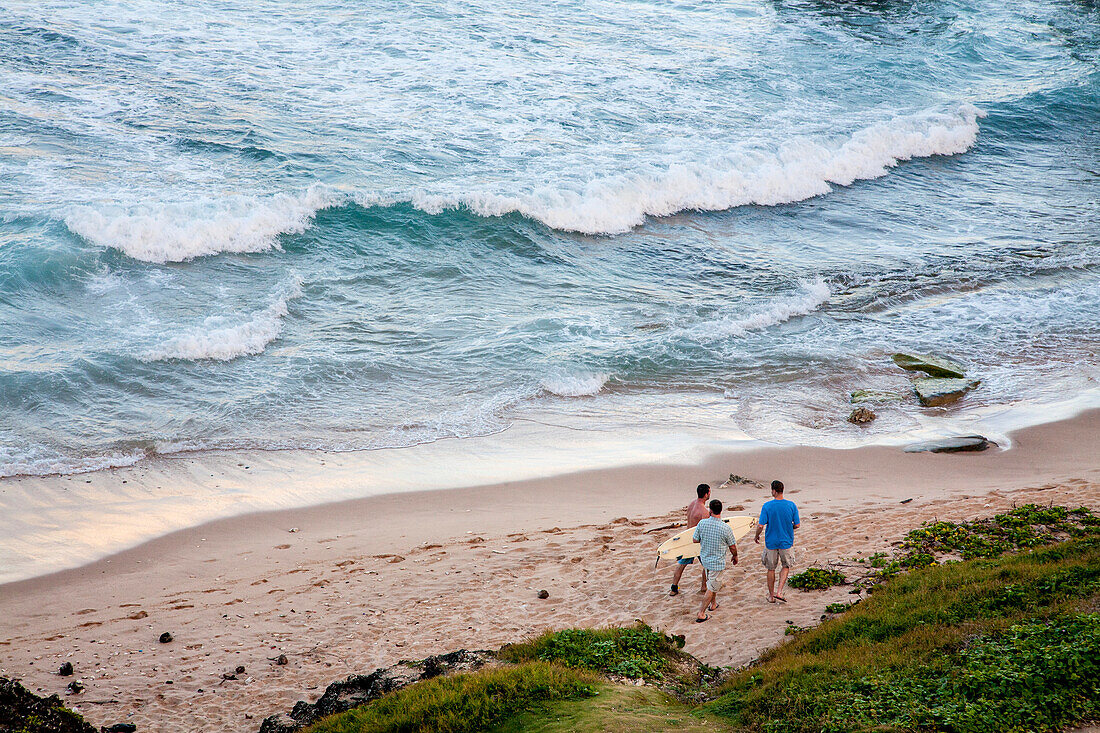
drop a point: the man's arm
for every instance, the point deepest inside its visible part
(732, 541)
(759, 529)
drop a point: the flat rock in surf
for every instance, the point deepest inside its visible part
(930, 364)
(957, 444)
(877, 396)
(933, 392)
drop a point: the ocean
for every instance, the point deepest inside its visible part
(343, 226)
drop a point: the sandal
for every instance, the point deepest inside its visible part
(701, 620)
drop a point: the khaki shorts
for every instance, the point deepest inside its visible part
(715, 581)
(772, 558)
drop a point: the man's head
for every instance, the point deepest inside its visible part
(777, 489)
(716, 507)
(703, 490)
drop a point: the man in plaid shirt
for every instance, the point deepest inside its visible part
(714, 537)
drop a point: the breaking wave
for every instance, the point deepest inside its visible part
(799, 169)
(219, 341)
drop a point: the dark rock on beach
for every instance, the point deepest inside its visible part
(165, 638)
(75, 687)
(22, 710)
(957, 444)
(119, 728)
(359, 690)
(861, 416)
(544, 594)
(934, 366)
(933, 392)
(66, 669)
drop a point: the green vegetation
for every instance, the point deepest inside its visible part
(816, 579)
(616, 709)
(999, 644)
(637, 652)
(473, 701)
(837, 607)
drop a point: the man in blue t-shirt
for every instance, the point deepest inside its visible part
(778, 521)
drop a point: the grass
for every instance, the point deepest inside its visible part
(462, 703)
(1002, 644)
(616, 709)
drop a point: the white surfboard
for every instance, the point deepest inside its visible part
(681, 545)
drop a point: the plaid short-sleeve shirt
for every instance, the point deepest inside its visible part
(715, 538)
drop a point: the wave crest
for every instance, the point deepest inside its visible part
(797, 170)
(179, 232)
(220, 342)
(814, 294)
(575, 385)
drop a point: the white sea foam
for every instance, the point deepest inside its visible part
(798, 170)
(41, 465)
(814, 294)
(575, 385)
(220, 341)
(178, 232)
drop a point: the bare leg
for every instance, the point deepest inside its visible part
(771, 584)
(678, 574)
(703, 584)
(782, 580)
(707, 599)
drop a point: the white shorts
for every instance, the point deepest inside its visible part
(714, 580)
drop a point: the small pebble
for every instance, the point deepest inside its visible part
(165, 638)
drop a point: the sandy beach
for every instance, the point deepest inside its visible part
(345, 588)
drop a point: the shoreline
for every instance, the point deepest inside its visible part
(58, 522)
(350, 586)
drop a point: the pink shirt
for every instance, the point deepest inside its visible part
(697, 511)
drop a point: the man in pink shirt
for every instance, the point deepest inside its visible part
(696, 511)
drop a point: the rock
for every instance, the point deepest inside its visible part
(75, 687)
(358, 690)
(957, 444)
(165, 638)
(861, 416)
(239, 669)
(66, 669)
(281, 660)
(877, 396)
(544, 594)
(228, 676)
(936, 392)
(935, 366)
(119, 728)
(22, 710)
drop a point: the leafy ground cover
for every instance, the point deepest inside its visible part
(816, 579)
(635, 652)
(474, 701)
(1002, 644)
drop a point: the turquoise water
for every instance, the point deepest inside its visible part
(333, 225)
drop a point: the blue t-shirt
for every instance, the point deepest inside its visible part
(779, 517)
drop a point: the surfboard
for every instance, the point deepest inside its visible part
(681, 545)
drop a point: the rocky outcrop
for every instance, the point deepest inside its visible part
(877, 396)
(933, 392)
(956, 444)
(360, 689)
(861, 416)
(22, 710)
(933, 366)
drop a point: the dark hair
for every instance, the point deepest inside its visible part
(702, 490)
(777, 487)
(715, 507)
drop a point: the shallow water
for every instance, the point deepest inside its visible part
(291, 225)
